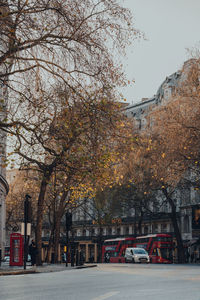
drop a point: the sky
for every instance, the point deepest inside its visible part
(171, 27)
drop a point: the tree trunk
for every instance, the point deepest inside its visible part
(48, 257)
(180, 248)
(40, 209)
(57, 237)
(140, 223)
(58, 216)
(135, 224)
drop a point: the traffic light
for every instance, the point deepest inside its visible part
(68, 220)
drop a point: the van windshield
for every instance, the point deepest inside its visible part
(139, 251)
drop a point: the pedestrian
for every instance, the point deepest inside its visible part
(187, 256)
(81, 258)
(33, 252)
(107, 257)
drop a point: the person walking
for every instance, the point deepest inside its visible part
(33, 253)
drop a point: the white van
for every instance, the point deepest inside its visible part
(138, 255)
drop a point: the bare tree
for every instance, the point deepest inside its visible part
(72, 44)
(75, 42)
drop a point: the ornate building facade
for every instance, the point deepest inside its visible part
(188, 199)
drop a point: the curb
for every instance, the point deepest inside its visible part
(84, 267)
(21, 272)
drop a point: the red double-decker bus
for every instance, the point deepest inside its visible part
(113, 250)
(159, 247)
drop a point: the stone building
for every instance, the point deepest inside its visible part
(188, 199)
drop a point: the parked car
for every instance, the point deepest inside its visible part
(6, 259)
(136, 255)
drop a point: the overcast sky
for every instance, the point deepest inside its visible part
(170, 27)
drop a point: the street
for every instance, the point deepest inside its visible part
(107, 281)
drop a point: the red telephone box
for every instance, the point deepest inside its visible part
(16, 249)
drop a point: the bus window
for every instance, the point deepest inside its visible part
(164, 239)
(166, 253)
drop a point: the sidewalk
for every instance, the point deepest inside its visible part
(5, 269)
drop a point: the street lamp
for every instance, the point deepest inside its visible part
(68, 217)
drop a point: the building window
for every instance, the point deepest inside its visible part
(109, 231)
(139, 124)
(186, 227)
(127, 230)
(155, 228)
(145, 229)
(163, 227)
(118, 230)
(155, 207)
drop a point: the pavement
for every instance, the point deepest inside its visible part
(5, 269)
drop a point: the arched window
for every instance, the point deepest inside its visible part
(186, 226)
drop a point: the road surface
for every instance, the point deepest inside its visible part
(107, 281)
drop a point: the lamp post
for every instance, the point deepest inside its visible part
(68, 217)
(27, 217)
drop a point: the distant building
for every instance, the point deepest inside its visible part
(188, 200)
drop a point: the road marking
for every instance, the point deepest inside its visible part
(106, 296)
